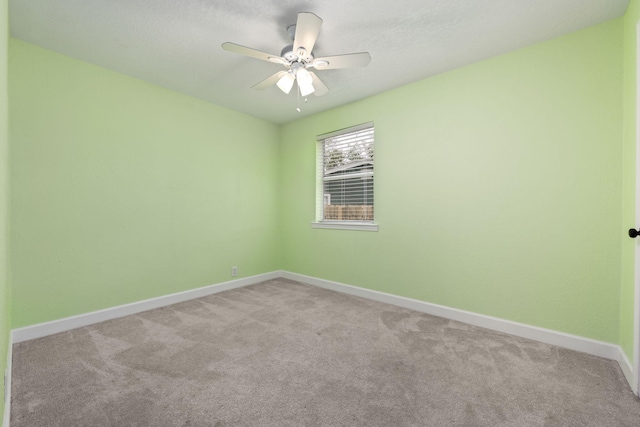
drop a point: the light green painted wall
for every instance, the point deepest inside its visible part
(5, 296)
(123, 191)
(498, 188)
(627, 289)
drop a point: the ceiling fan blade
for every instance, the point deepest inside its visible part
(349, 60)
(247, 51)
(320, 88)
(307, 30)
(269, 81)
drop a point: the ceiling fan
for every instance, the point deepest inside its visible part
(298, 59)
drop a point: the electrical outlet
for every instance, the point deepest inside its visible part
(234, 271)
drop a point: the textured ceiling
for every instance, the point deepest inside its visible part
(176, 43)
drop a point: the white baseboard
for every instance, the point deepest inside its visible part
(7, 397)
(627, 369)
(49, 328)
(560, 339)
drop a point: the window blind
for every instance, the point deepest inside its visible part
(346, 165)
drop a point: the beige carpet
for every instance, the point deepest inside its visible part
(282, 353)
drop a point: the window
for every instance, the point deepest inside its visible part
(345, 179)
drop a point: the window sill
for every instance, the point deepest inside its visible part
(346, 225)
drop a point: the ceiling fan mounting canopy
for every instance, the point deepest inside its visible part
(298, 58)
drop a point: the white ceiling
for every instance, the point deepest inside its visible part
(176, 43)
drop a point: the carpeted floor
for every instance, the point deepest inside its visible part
(282, 353)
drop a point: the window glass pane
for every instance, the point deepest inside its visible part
(347, 175)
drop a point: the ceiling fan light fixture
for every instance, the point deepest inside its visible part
(303, 75)
(286, 82)
(306, 89)
(305, 82)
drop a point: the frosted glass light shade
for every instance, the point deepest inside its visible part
(305, 82)
(286, 82)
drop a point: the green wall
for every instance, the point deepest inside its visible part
(5, 320)
(627, 289)
(498, 188)
(123, 191)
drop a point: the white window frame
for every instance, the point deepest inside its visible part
(320, 222)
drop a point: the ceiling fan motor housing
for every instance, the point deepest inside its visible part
(291, 56)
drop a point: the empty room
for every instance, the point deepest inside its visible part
(303, 213)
